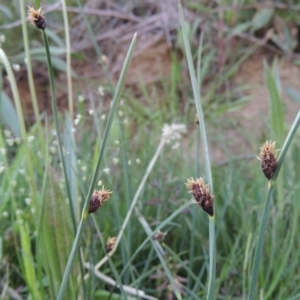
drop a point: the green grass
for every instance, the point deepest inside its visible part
(46, 183)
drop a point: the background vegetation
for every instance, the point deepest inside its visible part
(41, 203)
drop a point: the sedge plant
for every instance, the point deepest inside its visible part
(197, 97)
(270, 167)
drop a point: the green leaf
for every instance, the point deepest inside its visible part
(241, 27)
(276, 111)
(56, 237)
(8, 115)
(262, 18)
(71, 163)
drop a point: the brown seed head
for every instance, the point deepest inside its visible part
(36, 17)
(98, 199)
(110, 244)
(201, 194)
(158, 236)
(267, 157)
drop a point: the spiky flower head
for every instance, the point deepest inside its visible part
(98, 199)
(201, 194)
(267, 157)
(36, 17)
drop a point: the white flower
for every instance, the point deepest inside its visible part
(138, 161)
(173, 132)
(3, 151)
(117, 142)
(19, 212)
(115, 160)
(83, 168)
(52, 149)
(91, 112)
(120, 113)
(101, 91)
(27, 201)
(30, 138)
(2, 169)
(176, 145)
(103, 117)
(10, 141)
(106, 171)
(78, 119)
(16, 67)
(80, 98)
(5, 214)
(2, 38)
(99, 183)
(7, 133)
(13, 183)
(129, 163)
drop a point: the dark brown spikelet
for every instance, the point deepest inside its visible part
(98, 199)
(201, 194)
(158, 236)
(36, 17)
(268, 159)
(110, 244)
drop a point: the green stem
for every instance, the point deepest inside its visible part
(55, 117)
(29, 67)
(212, 256)
(68, 59)
(260, 243)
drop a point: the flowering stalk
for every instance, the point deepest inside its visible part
(204, 198)
(270, 167)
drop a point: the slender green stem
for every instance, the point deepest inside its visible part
(68, 59)
(197, 98)
(55, 116)
(29, 67)
(212, 261)
(286, 144)
(260, 243)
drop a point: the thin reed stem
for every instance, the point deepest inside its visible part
(68, 59)
(29, 67)
(212, 255)
(55, 117)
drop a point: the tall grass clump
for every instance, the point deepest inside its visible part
(93, 202)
